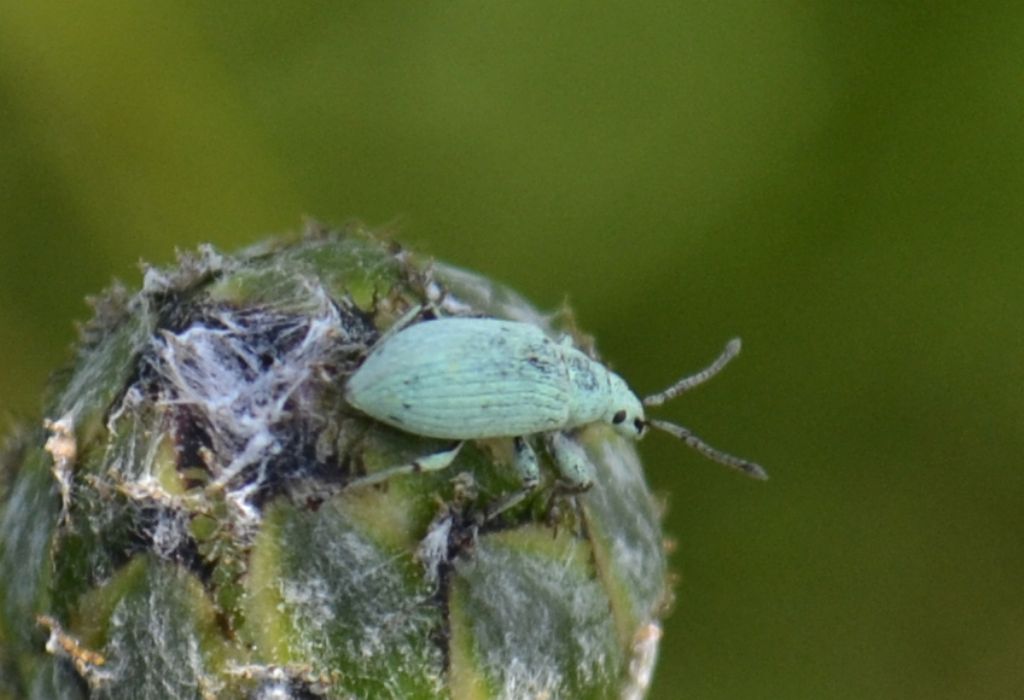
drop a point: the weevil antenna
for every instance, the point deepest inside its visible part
(732, 349)
(751, 469)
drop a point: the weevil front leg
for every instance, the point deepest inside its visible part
(574, 468)
(527, 467)
(430, 463)
(572, 462)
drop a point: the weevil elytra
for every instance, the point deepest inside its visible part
(479, 378)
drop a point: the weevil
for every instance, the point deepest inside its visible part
(480, 378)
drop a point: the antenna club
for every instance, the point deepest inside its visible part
(756, 471)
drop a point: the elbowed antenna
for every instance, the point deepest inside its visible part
(732, 349)
(749, 468)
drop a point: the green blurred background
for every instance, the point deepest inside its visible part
(840, 183)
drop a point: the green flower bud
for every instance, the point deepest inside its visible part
(189, 522)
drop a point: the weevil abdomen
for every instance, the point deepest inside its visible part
(466, 379)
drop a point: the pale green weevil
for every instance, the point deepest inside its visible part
(480, 378)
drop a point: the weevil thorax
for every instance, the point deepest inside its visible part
(598, 394)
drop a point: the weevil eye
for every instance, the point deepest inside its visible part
(640, 426)
(618, 417)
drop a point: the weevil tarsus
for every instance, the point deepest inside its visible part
(400, 324)
(431, 463)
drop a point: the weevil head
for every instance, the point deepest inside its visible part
(625, 410)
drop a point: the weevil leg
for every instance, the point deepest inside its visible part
(403, 322)
(526, 464)
(575, 470)
(406, 320)
(528, 469)
(571, 460)
(430, 463)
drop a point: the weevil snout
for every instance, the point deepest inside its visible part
(629, 422)
(640, 425)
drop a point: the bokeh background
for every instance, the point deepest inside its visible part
(839, 183)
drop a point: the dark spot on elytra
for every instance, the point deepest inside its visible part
(539, 363)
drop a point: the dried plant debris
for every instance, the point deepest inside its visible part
(196, 518)
(249, 385)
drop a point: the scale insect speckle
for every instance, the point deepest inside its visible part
(479, 378)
